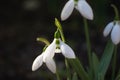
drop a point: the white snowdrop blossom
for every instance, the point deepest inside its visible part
(39, 61)
(58, 46)
(81, 5)
(114, 28)
(46, 57)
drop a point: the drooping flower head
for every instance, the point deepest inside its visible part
(57, 46)
(62, 47)
(114, 28)
(50, 63)
(81, 5)
(39, 61)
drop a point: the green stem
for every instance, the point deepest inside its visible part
(88, 43)
(62, 35)
(57, 75)
(68, 70)
(43, 40)
(114, 63)
(116, 12)
(58, 25)
(76, 64)
(118, 77)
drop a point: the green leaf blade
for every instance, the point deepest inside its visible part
(106, 59)
(75, 63)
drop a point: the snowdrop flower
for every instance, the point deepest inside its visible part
(114, 28)
(46, 57)
(81, 5)
(39, 61)
(58, 46)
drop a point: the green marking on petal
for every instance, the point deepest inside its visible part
(57, 42)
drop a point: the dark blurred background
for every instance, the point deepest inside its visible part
(22, 21)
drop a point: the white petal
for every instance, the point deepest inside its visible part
(37, 62)
(84, 8)
(108, 29)
(67, 10)
(67, 51)
(115, 34)
(57, 51)
(51, 65)
(50, 51)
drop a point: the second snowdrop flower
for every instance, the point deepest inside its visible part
(81, 5)
(39, 61)
(50, 63)
(114, 28)
(58, 46)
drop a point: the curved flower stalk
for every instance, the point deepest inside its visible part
(81, 5)
(114, 28)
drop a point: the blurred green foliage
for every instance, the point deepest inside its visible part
(22, 21)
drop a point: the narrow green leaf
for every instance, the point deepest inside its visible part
(76, 64)
(95, 62)
(118, 75)
(74, 77)
(114, 59)
(100, 77)
(106, 58)
(119, 71)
